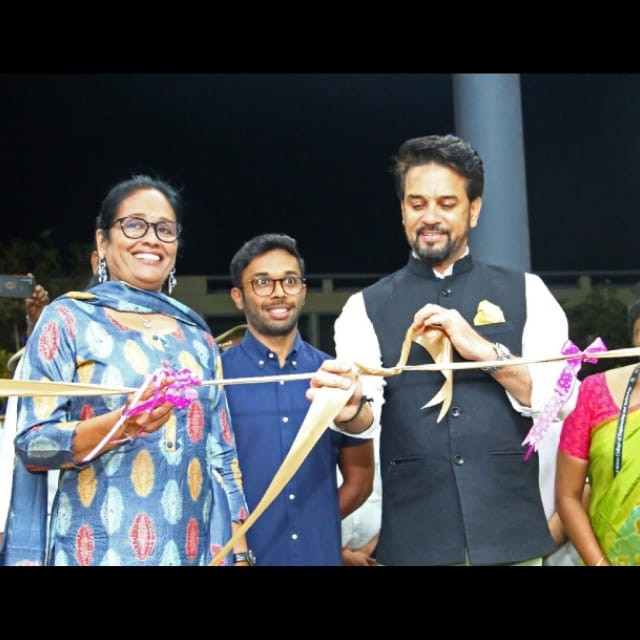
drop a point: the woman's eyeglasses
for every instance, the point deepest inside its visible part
(135, 227)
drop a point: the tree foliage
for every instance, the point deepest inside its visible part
(602, 314)
(57, 271)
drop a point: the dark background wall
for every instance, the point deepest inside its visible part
(308, 154)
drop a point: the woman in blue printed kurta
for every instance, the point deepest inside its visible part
(171, 495)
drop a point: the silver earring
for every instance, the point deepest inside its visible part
(103, 276)
(172, 282)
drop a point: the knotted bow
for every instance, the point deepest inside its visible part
(436, 342)
(562, 391)
(179, 392)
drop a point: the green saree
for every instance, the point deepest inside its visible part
(615, 500)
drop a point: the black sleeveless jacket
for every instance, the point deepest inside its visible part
(462, 482)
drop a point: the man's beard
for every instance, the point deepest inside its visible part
(433, 257)
(272, 328)
(277, 330)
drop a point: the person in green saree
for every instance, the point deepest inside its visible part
(600, 440)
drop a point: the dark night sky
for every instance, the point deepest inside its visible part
(309, 155)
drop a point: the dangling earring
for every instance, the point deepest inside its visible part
(103, 276)
(172, 282)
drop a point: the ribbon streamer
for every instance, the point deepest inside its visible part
(436, 342)
(562, 390)
(22, 388)
(48, 388)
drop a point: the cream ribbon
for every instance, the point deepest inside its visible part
(48, 388)
(437, 344)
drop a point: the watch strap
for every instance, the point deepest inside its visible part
(502, 354)
(244, 556)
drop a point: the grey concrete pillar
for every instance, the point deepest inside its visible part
(488, 113)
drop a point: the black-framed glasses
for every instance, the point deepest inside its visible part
(135, 227)
(263, 286)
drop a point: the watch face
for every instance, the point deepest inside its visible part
(245, 556)
(502, 351)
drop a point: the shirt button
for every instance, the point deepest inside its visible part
(458, 459)
(261, 362)
(271, 355)
(285, 419)
(281, 381)
(294, 363)
(294, 536)
(292, 496)
(446, 292)
(455, 412)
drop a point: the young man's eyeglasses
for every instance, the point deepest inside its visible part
(263, 286)
(135, 227)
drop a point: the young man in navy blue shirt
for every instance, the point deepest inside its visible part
(302, 525)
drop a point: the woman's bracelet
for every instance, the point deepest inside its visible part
(363, 400)
(602, 557)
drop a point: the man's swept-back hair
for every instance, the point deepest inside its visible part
(447, 151)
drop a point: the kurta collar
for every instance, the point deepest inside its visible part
(422, 270)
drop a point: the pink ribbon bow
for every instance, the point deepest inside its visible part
(561, 392)
(179, 393)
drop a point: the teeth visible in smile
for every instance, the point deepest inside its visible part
(147, 256)
(279, 311)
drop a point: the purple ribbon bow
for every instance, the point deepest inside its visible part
(180, 393)
(561, 392)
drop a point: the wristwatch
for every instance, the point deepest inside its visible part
(502, 352)
(245, 556)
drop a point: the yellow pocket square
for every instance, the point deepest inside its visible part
(488, 313)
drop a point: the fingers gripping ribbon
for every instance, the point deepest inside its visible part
(179, 392)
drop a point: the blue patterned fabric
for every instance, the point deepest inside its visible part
(167, 498)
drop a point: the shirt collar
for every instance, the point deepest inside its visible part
(261, 354)
(423, 270)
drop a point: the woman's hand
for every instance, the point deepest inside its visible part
(147, 420)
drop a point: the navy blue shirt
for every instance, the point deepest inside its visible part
(302, 525)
